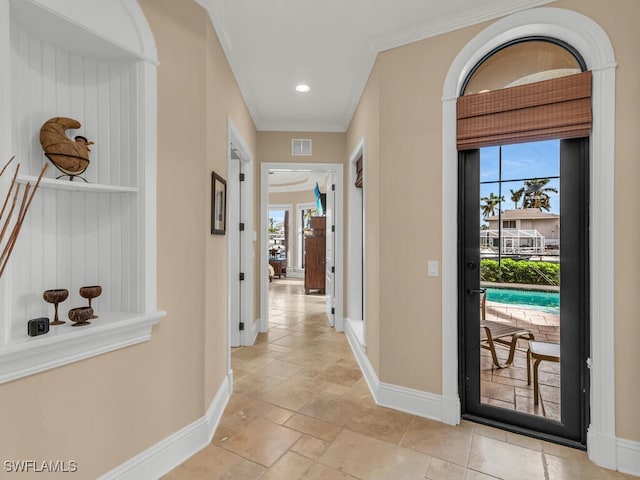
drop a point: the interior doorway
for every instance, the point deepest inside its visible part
(328, 177)
(240, 239)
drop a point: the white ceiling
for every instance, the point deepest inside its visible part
(296, 181)
(330, 45)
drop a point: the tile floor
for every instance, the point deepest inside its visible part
(507, 387)
(301, 410)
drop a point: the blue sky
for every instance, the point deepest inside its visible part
(520, 161)
(277, 215)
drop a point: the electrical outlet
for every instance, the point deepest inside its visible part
(37, 326)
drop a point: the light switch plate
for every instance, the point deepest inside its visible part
(433, 268)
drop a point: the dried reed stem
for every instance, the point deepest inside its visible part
(6, 251)
(6, 165)
(42, 172)
(13, 182)
(8, 219)
(24, 207)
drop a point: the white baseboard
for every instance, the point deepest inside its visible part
(409, 400)
(357, 331)
(167, 454)
(628, 453)
(604, 450)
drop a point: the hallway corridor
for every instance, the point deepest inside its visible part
(302, 410)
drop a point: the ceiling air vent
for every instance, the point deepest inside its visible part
(300, 147)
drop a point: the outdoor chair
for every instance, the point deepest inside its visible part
(494, 334)
(537, 352)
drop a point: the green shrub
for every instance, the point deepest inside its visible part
(519, 271)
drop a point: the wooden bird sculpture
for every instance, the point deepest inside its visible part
(69, 156)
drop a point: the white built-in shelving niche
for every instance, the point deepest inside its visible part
(94, 61)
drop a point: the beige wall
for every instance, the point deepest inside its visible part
(366, 124)
(401, 114)
(276, 147)
(223, 100)
(103, 411)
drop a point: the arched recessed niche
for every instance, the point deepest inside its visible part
(94, 61)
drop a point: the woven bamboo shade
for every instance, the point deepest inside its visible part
(359, 173)
(556, 108)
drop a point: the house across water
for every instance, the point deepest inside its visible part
(523, 231)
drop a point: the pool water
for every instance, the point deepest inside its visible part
(548, 302)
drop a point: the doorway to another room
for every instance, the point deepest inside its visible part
(301, 252)
(239, 229)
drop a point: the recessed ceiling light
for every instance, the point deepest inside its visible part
(303, 88)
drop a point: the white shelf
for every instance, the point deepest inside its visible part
(77, 185)
(66, 344)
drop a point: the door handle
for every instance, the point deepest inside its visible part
(475, 291)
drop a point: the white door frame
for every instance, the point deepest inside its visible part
(238, 152)
(357, 247)
(337, 170)
(595, 47)
(330, 246)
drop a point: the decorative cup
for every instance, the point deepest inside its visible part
(56, 296)
(80, 316)
(91, 293)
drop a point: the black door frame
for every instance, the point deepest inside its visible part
(574, 166)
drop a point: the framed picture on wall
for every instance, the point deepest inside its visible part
(218, 204)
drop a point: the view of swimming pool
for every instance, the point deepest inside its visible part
(548, 302)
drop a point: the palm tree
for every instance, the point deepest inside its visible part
(536, 195)
(490, 204)
(516, 195)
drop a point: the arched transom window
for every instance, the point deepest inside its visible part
(522, 62)
(526, 90)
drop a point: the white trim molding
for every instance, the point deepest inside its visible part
(170, 452)
(409, 400)
(628, 454)
(67, 345)
(588, 38)
(356, 245)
